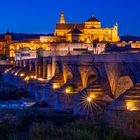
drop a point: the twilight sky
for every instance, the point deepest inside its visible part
(40, 16)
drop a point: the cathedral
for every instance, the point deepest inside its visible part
(87, 32)
(67, 36)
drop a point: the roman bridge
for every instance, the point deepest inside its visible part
(71, 82)
(3, 66)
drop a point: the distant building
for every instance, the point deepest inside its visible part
(131, 44)
(57, 49)
(86, 32)
(25, 53)
(3, 43)
(2, 46)
(8, 37)
(70, 36)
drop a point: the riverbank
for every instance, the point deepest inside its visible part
(10, 92)
(21, 122)
(48, 124)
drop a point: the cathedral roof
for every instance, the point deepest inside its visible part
(76, 31)
(70, 26)
(93, 19)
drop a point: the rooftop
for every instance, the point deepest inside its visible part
(93, 19)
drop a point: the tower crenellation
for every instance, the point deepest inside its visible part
(62, 18)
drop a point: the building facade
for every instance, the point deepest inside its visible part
(3, 43)
(87, 32)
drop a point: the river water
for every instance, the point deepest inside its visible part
(21, 103)
(6, 90)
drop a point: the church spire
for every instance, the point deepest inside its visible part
(7, 32)
(62, 18)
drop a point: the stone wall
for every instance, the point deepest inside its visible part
(123, 84)
(127, 122)
(122, 76)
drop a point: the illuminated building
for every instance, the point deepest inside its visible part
(2, 46)
(66, 35)
(3, 43)
(88, 31)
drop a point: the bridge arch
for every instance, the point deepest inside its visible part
(12, 53)
(45, 47)
(67, 73)
(88, 75)
(35, 46)
(31, 66)
(124, 83)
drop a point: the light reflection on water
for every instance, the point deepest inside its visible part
(17, 105)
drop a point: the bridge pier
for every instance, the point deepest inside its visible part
(37, 92)
(23, 82)
(57, 104)
(79, 70)
(31, 88)
(46, 93)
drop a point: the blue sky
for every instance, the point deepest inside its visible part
(40, 16)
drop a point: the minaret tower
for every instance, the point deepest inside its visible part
(8, 36)
(62, 18)
(115, 36)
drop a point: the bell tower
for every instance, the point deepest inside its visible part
(115, 36)
(8, 36)
(62, 18)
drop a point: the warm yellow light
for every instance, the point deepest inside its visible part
(68, 90)
(93, 96)
(40, 79)
(55, 86)
(130, 105)
(27, 79)
(33, 77)
(22, 74)
(89, 99)
(6, 71)
(128, 108)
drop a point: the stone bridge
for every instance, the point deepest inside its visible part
(64, 81)
(85, 84)
(4, 65)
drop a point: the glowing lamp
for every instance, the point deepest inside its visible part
(27, 79)
(16, 73)
(22, 74)
(128, 108)
(89, 99)
(130, 105)
(55, 86)
(68, 90)
(6, 71)
(12, 71)
(93, 96)
(33, 77)
(40, 79)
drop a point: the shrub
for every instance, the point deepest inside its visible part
(38, 124)
(6, 130)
